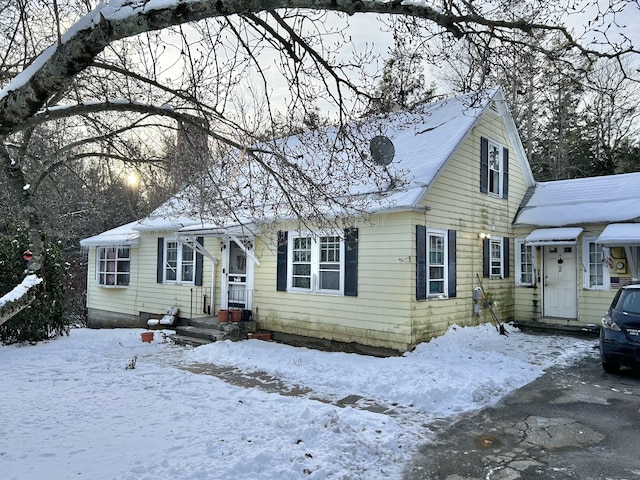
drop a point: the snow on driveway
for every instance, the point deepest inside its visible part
(71, 408)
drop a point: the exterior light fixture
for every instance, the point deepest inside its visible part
(483, 235)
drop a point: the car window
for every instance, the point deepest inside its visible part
(631, 302)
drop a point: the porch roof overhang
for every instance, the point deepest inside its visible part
(554, 236)
(122, 236)
(620, 235)
(189, 235)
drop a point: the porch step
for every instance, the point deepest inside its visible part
(207, 323)
(207, 330)
(206, 334)
(192, 341)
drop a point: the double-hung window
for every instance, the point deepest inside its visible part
(316, 263)
(525, 263)
(179, 264)
(437, 262)
(594, 258)
(494, 168)
(326, 264)
(113, 266)
(495, 257)
(330, 263)
(301, 263)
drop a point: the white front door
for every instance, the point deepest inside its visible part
(560, 281)
(237, 277)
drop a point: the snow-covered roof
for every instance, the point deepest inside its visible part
(608, 199)
(554, 236)
(620, 234)
(424, 142)
(119, 236)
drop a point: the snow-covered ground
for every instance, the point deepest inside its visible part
(71, 408)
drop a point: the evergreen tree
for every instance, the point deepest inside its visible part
(402, 85)
(45, 317)
(558, 137)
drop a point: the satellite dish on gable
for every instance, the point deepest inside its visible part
(382, 150)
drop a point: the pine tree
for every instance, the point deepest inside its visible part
(402, 85)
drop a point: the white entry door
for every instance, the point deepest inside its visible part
(560, 281)
(237, 277)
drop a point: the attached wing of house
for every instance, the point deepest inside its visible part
(579, 240)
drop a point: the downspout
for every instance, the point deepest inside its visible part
(213, 288)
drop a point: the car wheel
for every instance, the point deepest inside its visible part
(611, 367)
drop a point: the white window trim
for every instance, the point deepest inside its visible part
(315, 263)
(178, 280)
(115, 272)
(586, 266)
(500, 241)
(492, 143)
(443, 233)
(519, 243)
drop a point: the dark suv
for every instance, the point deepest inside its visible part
(620, 332)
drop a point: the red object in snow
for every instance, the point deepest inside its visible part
(27, 255)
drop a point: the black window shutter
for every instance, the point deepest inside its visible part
(484, 165)
(505, 252)
(451, 249)
(486, 251)
(160, 261)
(421, 262)
(351, 262)
(198, 279)
(505, 173)
(281, 266)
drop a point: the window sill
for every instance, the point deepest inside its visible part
(112, 286)
(323, 293)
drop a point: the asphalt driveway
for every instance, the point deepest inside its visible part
(571, 423)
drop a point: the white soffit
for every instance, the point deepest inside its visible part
(620, 234)
(554, 236)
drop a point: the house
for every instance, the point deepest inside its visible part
(576, 242)
(392, 277)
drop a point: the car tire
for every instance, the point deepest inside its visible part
(610, 367)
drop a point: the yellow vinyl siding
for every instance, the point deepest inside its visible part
(592, 304)
(117, 300)
(144, 294)
(456, 202)
(385, 313)
(156, 297)
(378, 316)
